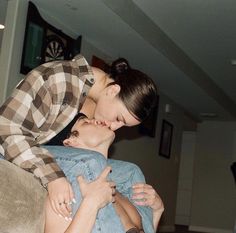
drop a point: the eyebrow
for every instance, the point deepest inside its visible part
(73, 133)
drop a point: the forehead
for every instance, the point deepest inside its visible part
(129, 119)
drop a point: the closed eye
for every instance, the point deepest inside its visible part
(73, 133)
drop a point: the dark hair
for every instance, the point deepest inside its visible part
(138, 91)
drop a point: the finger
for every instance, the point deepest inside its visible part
(71, 193)
(113, 192)
(140, 203)
(113, 199)
(141, 185)
(143, 189)
(105, 173)
(58, 206)
(138, 190)
(71, 198)
(53, 204)
(138, 196)
(112, 184)
(67, 204)
(81, 180)
(65, 212)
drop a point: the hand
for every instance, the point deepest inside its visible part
(100, 192)
(145, 195)
(61, 196)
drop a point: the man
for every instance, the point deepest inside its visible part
(93, 138)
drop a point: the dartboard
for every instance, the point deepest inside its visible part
(55, 49)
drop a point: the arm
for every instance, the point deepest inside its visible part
(95, 195)
(145, 195)
(25, 119)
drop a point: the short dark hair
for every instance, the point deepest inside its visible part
(138, 91)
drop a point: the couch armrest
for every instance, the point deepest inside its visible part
(21, 200)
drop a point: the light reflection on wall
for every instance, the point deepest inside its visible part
(3, 10)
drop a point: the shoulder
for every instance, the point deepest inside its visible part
(124, 165)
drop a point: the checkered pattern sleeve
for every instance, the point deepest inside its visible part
(33, 114)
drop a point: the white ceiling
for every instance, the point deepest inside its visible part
(185, 45)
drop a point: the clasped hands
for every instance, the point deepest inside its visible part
(61, 195)
(100, 192)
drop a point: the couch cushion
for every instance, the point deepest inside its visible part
(21, 200)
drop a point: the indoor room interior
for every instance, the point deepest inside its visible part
(188, 48)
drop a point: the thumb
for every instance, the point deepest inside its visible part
(81, 180)
(105, 173)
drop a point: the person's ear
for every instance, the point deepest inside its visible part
(67, 142)
(113, 90)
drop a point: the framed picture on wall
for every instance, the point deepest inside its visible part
(166, 139)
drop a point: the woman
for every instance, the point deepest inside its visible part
(93, 139)
(49, 98)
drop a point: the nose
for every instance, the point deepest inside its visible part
(100, 122)
(107, 123)
(92, 121)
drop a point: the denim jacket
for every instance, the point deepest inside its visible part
(75, 162)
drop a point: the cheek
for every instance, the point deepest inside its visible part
(105, 111)
(116, 125)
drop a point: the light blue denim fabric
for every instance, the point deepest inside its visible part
(89, 164)
(75, 162)
(125, 175)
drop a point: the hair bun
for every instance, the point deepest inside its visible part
(120, 66)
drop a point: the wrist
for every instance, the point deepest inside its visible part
(91, 204)
(158, 211)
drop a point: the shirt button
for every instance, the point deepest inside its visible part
(92, 80)
(73, 59)
(84, 94)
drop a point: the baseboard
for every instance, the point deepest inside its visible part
(166, 228)
(210, 230)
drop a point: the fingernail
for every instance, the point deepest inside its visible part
(73, 200)
(70, 213)
(70, 218)
(60, 215)
(67, 219)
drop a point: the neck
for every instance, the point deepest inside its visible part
(103, 151)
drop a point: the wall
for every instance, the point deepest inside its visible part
(3, 10)
(214, 199)
(88, 50)
(184, 195)
(12, 44)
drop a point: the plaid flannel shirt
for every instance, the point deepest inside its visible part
(41, 106)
